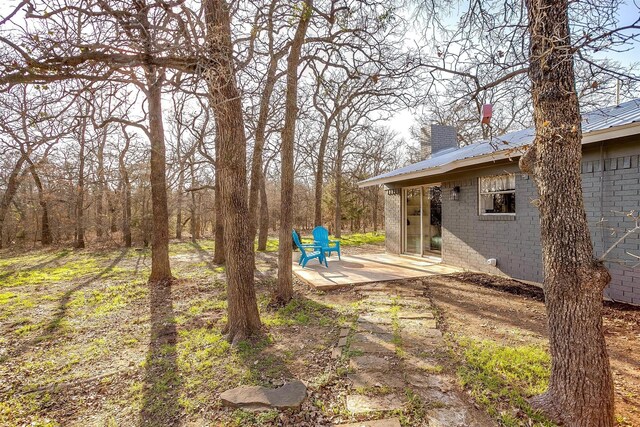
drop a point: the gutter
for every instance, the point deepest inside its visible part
(510, 153)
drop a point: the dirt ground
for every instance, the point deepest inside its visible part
(84, 341)
(503, 310)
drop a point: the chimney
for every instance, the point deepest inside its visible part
(442, 137)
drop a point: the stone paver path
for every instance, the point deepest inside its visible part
(394, 346)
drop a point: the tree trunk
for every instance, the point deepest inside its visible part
(180, 189)
(195, 235)
(580, 389)
(45, 235)
(338, 177)
(261, 126)
(126, 192)
(12, 188)
(243, 315)
(218, 247)
(80, 194)
(100, 186)
(317, 212)
(263, 233)
(284, 291)
(160, 267)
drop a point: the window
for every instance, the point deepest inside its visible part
(498, 194)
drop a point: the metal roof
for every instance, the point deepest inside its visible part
(508, 144)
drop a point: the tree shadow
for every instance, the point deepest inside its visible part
(162, 381)
(63, 305)
(204, 256)
(62, 254)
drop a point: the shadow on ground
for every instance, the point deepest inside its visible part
(162, 381)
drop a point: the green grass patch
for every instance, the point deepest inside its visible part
(502, 377)
(299, 311)
(357, 239)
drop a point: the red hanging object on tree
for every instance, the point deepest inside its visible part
(485, 113)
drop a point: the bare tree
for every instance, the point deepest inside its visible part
(243, 316)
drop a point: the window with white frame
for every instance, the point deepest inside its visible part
(497, 194)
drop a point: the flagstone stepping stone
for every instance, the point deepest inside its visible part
(359, 404)
(449, 417)
(425, 380)
(373, 343)
(415, 363)
(433, 395)
(373, 336)
(428, 325)
(342, 342)
(370, 362)
(374, 318)
(290, 395)
(368, 379)
(387, 422)
(344, 332)
(372, 327)
(336, 352)
(373, 347)
(415, 315)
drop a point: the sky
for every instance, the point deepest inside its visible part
(404, 119)
(628, 13)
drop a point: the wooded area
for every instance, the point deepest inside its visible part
(131, 123)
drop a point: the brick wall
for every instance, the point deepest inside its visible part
(608, 194)
(470, 239)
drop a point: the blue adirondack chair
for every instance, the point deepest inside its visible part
(321, 237)
(306, 256)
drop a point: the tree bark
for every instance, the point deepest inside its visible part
(195, 234)
(126, 191)
(580, 389)
(12, 188)
(218, 247)
(284, 290)
(45, 232)
(160, 266)
(243, 315)
(324, 139)
(338, 177)
(100, 186)
(261, 126)
(263, 233)
(80, 194)
(180, 189)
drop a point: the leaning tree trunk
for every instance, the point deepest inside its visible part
(258, 149)
(231, 170)
(284, 290)
(580, 389)
(45, 235)
(160, 267)
(12, 188)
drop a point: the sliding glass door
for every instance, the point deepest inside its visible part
(422, 218)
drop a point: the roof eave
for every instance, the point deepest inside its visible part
(587, 138)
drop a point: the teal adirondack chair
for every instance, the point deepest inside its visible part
(321, 237)
(306, 256)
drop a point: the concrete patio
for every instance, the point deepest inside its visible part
(367, 268)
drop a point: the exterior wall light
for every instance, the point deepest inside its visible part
(455, 193)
